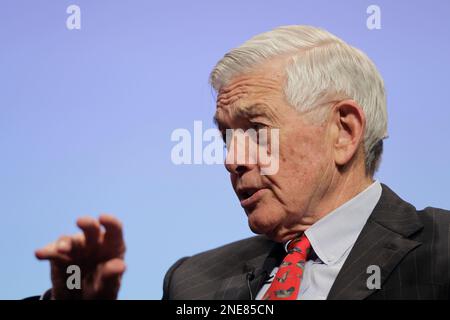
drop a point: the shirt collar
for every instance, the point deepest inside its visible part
(334, 234)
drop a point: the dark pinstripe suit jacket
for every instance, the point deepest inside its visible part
(412, 249)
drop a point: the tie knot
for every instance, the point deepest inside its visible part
(300, 245)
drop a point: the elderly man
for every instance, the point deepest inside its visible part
(327, 229)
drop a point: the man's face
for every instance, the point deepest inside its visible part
(282, 204)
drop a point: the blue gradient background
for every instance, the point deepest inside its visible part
(86, 117)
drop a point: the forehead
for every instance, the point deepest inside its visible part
(250, 95)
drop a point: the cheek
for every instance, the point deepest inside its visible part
(302, 159)
(297, 156)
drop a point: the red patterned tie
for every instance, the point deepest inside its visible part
(286, 284)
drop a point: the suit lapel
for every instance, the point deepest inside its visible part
(383, 242)
(262, 270)
(237, 287)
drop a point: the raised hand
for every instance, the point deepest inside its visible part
(99, 253)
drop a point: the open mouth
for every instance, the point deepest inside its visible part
(245, 194)
(250, 196)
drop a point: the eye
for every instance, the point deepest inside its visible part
(258, 126)
(263, 137)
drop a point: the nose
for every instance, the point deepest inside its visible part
(238, 169)
(241, 155)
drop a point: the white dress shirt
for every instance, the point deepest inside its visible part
(332, 237)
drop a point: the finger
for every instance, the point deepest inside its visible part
(62, 245)
(91, 229)
(56, 250)
(78, 246)
(111, 276)
(114, 267)
(113, 236)
(47, 252)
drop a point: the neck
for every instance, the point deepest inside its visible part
(341, 189)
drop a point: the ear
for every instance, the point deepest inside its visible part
(349, 124)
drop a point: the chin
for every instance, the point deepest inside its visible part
(264, 222)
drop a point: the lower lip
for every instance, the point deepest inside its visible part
(253, 199)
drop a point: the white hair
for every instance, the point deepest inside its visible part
(322, 68)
